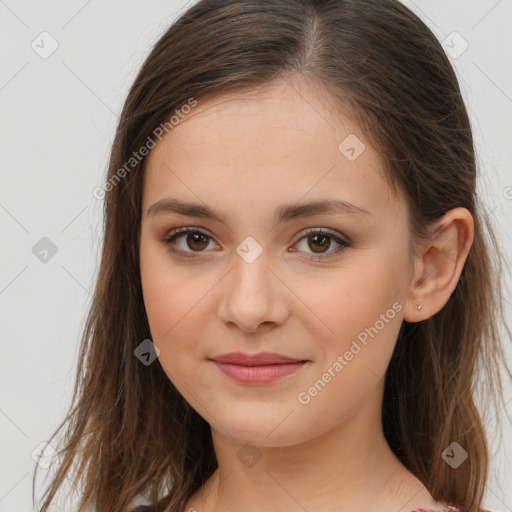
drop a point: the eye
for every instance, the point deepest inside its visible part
(194, 239)
(319, 240)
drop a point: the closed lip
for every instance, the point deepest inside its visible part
(261, 359)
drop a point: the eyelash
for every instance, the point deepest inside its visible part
(177, 232)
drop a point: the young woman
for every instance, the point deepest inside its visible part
(299, 290)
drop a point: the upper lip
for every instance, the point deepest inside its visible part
(263, 358)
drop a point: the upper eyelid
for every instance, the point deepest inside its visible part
(187, 230)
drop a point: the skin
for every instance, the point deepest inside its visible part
(243, 155)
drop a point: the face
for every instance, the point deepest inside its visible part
(259, 272)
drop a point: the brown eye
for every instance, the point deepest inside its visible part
(319, 241)
(196, 241)
(193, 241)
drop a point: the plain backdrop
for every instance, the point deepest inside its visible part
(65, 71)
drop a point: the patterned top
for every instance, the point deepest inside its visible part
(450, 509)
(149, 508)
(143, 508)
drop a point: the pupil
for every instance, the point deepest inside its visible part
(322, 237)
(194, 238)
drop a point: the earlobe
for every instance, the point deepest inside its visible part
(439, 265)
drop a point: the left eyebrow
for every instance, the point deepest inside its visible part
(293, 211)
(282, 214)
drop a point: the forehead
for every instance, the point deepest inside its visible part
(284, 140)
(292, 111)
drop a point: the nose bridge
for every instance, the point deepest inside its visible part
(250, 279)
(250, 295)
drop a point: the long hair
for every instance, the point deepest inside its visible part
(129, 431)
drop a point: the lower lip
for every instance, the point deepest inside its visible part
(259, 374)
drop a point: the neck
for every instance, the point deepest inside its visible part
(351, 464)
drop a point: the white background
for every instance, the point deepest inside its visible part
(58, 117)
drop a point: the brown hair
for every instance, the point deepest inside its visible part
(128, 427)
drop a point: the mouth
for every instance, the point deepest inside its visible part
(260, 368)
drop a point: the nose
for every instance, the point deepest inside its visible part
(254, 297)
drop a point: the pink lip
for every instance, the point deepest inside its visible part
(257, 368)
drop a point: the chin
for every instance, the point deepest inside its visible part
(277, 428)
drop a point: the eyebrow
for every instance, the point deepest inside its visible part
(282, 214)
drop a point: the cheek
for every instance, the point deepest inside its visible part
(353, 298)
(176, 302)
(363, 309)
(166, 292)
(170, 304)
(163, 293)
(166, 309)
(361, 305)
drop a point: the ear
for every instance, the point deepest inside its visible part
(438, 264)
